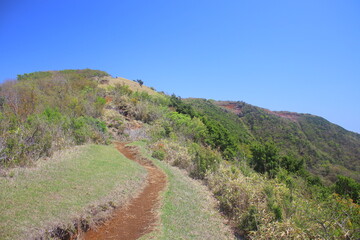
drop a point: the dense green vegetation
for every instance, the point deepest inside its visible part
(327, 149)
(348, 188)
(274, 177)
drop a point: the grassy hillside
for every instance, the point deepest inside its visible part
(58, 192)
(266, 169)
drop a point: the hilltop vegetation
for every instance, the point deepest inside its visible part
(262, 167)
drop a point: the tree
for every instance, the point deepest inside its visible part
(140, 82)
(182, 107)
(265, 158)
(348, 187)
(292, 164)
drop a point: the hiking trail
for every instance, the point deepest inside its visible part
(139, 216)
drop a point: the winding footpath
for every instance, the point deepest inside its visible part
(139, 216)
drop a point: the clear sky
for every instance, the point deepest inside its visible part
(301, 56)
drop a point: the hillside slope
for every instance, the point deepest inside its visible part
(328, 149)
(43, 113)
(251, 159)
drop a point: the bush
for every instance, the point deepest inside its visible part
(238, 195)
(146, 112)
(219, 137)
(122, 89)
(52, 115)
(292, 164)
(182, 107)
(176, 154)
(114, 119)
(185, 127)
(40, 135)
(348, 188)
(265, 158)
(204, 159)
(159, 154)
(250, 221)
(89, 129)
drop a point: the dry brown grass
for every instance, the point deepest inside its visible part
(134, 86)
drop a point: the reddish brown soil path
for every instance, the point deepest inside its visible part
(139, 216)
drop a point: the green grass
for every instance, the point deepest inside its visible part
(59, 190)
(188, 209)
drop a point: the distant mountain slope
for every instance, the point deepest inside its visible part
(328, 149)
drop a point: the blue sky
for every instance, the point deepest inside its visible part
(301, 56)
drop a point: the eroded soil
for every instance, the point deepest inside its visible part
(139, 216)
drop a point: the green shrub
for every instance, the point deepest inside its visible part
(159, 154)
(182, 107)
(313, 180)
(219, 137)
(292, 164)
(250, 221)
(79, 130)
(30, 140)
(88, 128)
(100, 102)
(277, 211)
(186, 127)
(265, 158)
(52, 115)
(96, 124)
(348, 188)
(145, 111)
(205, 159)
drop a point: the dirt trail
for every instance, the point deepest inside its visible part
(139, 216)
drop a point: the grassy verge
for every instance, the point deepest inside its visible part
(59, 190)
(188, 209)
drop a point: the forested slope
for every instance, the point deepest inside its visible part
(327, 149)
